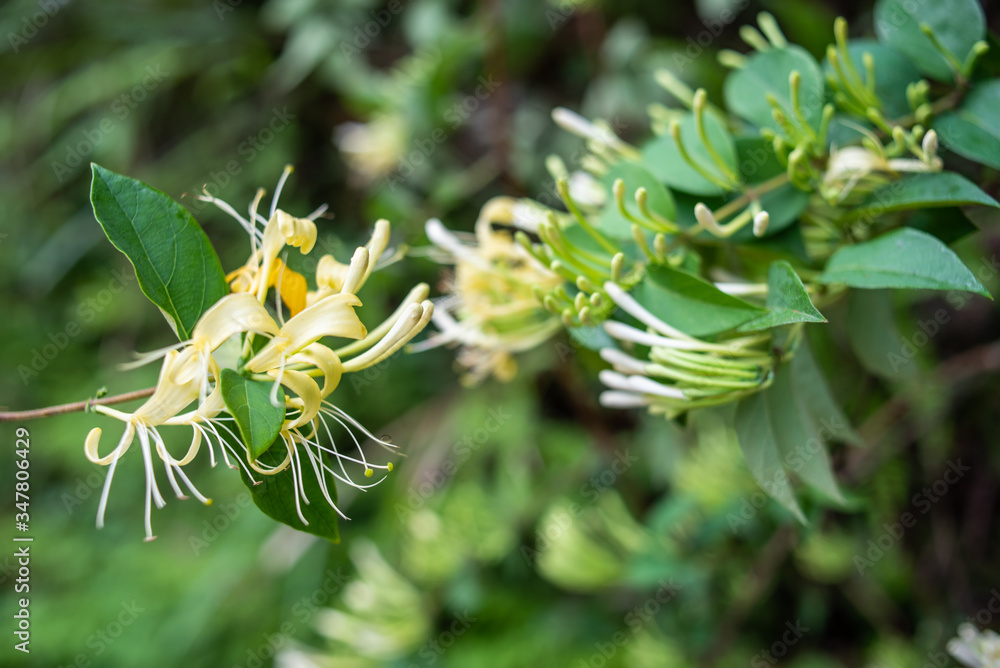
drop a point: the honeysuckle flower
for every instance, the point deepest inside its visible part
(231, 315)
(177, 388)
(331, 316)
(492, 311)
(334, 277)
(373, 149)
(681, 371)
(587, 190)
(850, 167)
(293, 358)
(974, 648)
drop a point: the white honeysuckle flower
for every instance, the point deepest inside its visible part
(373, 149)
(586, 190)
(974, 648)
(581, 127)
(292, 358)
(492, 311)
(176, 389)
(331, 316)
(849, 166)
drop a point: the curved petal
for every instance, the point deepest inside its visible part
(308, 396)
(90, 446)
(331, 316)
(234, 313)
(178, 386)
(326, 361)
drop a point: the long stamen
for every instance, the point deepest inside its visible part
(102, 506)
(147, 459)
(295, 483)
(281, 184)
(360, 426)
(250, 228)
(168, 460)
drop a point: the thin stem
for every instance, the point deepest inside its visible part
(76, 407)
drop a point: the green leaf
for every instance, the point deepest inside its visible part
(275, 496)
(923, 191)
(905, 258)
(746, 89)
(659, 200)
(174, 261)
(874, 336)
(787, 301)
(973, 130)
(592, 338)
(249, 402)
(815, 398)
(757, 441)
(958, 25)
(662, 157)
(802, 449)
(690, 304)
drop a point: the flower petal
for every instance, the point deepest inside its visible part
(234, 313)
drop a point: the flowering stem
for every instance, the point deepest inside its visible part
(9, 416)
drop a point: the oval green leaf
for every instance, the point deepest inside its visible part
(177, 268)
(275, 496)
(249, 402)
(905, 258)
(973, 130)
(957, 24)
(691, 304)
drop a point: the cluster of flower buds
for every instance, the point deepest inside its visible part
(680, 372)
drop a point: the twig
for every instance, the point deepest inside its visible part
(75, 407)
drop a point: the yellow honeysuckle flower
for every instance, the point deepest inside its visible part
(333, 277)
(293, 358)
(176, 389)
(331, 316)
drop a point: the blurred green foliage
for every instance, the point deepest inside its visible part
(526, 526)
